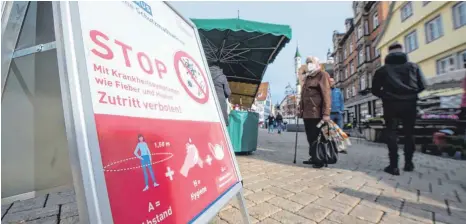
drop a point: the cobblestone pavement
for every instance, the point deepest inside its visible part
(277, 191)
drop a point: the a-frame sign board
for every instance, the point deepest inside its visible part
(147, 141)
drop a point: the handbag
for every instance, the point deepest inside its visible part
(325, 151)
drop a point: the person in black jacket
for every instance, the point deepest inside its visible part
(398, 84)
(222, 88)
(279, 120)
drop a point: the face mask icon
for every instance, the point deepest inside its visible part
(192, 158)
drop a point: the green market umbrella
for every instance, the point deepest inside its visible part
(244, 49)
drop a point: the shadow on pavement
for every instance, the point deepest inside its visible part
(437, 186)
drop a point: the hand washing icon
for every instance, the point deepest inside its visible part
(217, 151)
(192, 158)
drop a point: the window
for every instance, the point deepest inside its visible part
(434, 29)
(368, 53)
(362, 81)
(411, 42)
(351, 67)
(348, 93)
(459, 15)
(360, 33)
(375, 21)
(353, 89)
(406, 11)
(424, 3)
(361, 56)
(344, 53)
(446, 64)
(346, 73)
(366, 27)
(351, 47)
(377, 53)
(462, 60)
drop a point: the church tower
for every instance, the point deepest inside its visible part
(297, 63)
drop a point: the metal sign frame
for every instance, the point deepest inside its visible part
(85, 158)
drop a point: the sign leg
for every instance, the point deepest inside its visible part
(242, 205)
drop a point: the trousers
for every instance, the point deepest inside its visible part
(396, 113)
(312, 132)
(146, 164)
(337, 118)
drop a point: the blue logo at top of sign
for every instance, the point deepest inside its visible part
(144, 6)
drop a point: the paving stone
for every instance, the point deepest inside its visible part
(233, 215)
(46, 220)
(285, 204)
(235, 203)
(323, 193)
(269, 221)
(417, 214)
(29, 204)
(69, 210)
(259, 186)
(30, 215)
(434, 207)
(367, 213)
(338, 217)
(295, 187)
(287, 217)
(348, 200)
(260, 197)
(60, 198)
(387, 208)
(396, 219)
(334, 205)
(70, 220)
(303, 198)
(279, 192)
(263, 210)
(5, 208)
(447, 219)
(326, 221)
(217, 220)
(314, 212)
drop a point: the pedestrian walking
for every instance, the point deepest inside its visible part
(222, 89)
(315, 102)
(270, 121)
(398, 84)
(338, 106)
(279, 120)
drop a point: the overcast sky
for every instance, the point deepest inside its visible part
(312, 23)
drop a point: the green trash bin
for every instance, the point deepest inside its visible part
(243, 129)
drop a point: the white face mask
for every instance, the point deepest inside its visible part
(311, 67)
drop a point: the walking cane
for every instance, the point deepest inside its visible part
(296, 139)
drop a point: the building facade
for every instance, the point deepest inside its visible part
(433, 34)
(356, 59)
(263, 102)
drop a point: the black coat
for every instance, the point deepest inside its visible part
(398, 79)
(221, 88)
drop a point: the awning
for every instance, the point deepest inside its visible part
(244, 49)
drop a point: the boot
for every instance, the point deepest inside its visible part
(392, 170)
(409, 166)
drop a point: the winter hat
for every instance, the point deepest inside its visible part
(394, 48)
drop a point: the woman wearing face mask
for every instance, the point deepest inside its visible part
(315, 103)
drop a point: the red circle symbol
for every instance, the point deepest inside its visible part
(193, 71)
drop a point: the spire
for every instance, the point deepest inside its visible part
(297, 53)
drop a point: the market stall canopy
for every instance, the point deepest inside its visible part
(243, 50)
